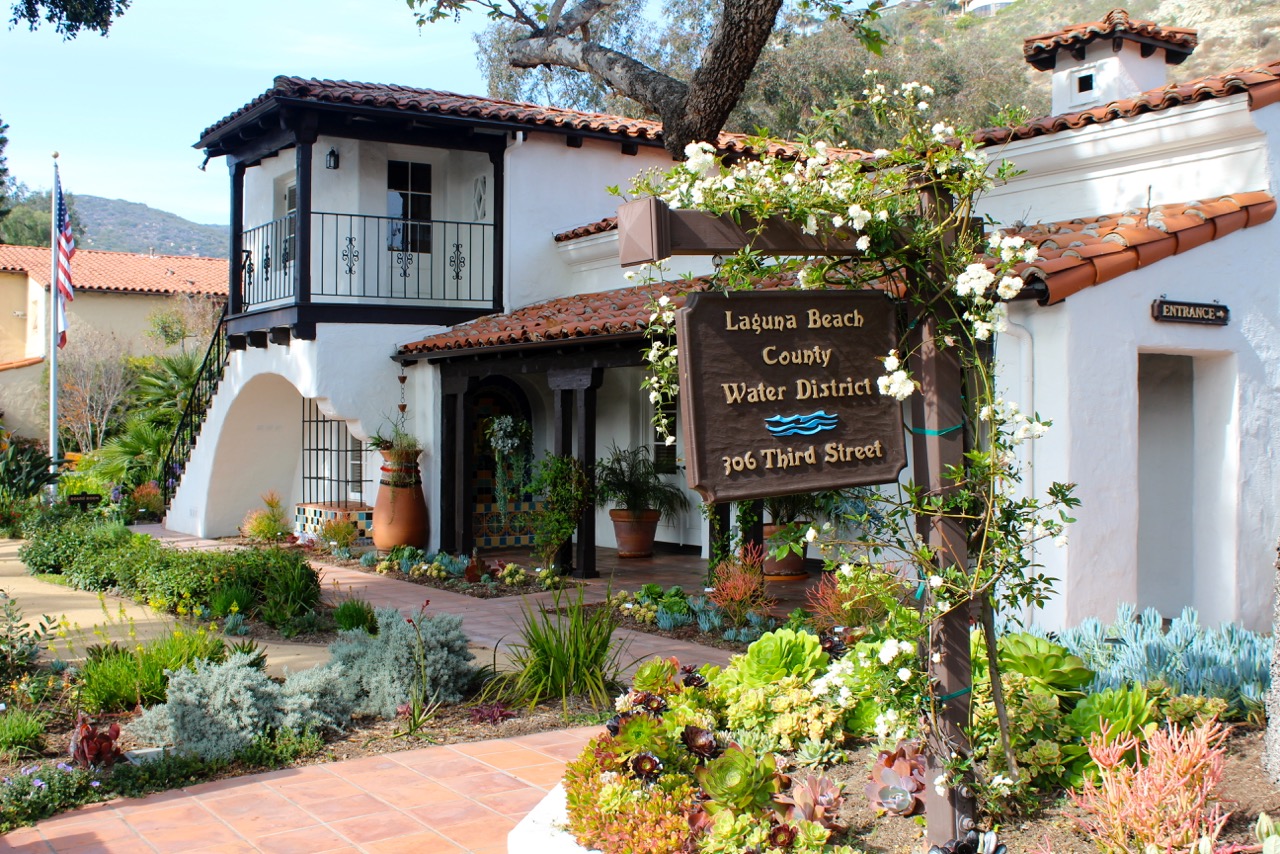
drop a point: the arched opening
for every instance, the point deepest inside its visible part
(492, 397)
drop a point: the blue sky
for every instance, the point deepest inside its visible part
(123, 111)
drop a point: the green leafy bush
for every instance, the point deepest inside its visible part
(20, 642)
(290, 588)
(55, 541)
(24, 468)
(45, 789)
(383, 667)
(280, 748)
(107, 554)
(233, 597)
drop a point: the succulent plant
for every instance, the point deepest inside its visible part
(973, 842)
(812, 754)
(639, 731)
(691, 678)
(897, 780)
(813, 797)
(775, 656)
(738, 780)
(833, 646)
(700, 742)
(656, 676)
(646, 766)
(782, 836)
(649, 702)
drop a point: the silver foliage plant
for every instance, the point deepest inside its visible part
(384, 667)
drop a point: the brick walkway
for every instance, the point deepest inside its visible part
(434, 800)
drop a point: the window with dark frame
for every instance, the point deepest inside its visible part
(332, 460)
(409, 202)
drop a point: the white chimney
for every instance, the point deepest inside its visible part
(1109, 60)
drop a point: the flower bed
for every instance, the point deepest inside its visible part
(462, 574)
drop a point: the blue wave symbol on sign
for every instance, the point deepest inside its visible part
(801, 425)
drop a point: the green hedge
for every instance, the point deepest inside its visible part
(93, 554)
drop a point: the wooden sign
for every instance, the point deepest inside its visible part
(84, 500)
(1172, 311)
(778, 392)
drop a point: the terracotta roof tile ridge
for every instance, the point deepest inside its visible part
(80, 249)
(1260, 82)
(600, 226)
(1117, 21)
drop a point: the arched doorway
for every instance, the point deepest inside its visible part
(495, 396)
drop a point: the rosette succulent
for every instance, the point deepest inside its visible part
(813, 797)
(700, 742)
(646, 766)
(973, 842)
(777, 655)
(833, 647)
(738, 781)
(782, 836)
(691, 678)
(897, 780)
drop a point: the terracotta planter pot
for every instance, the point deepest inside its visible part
(790, 568)
(400, 511)
(635, 530)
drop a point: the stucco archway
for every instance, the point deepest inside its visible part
(259, 449)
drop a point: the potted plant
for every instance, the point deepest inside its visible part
(790, 517)
(400, 510)
(566, 494)
(628, 480)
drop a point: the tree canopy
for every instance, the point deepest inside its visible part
(69, 17)
(4, 172)
(560, 35)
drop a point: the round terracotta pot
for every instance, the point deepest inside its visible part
(634, 531)
(400, 511)
(790, 568)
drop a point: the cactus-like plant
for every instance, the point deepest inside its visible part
(897, 780)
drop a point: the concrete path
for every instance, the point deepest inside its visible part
(433, 800)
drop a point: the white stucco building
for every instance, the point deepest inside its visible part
(471, 241)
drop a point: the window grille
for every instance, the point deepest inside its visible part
(332, 460)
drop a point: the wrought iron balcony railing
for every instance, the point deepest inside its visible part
(372, 260)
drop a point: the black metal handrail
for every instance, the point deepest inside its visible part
(188, 429)
(372, 260)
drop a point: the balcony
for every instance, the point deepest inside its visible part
(364, 269)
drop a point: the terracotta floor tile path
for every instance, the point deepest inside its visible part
(435, 800)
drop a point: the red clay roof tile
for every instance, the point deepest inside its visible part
(124, 272)
(1105, 247)
(1041, 50)
(433, 101)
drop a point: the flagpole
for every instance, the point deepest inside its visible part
(54, 228)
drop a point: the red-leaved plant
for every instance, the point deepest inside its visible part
(92, 749)
(739, 586)
(1165, 800)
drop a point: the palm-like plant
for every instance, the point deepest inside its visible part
(136, 454)
(628, 479)
(164, 386)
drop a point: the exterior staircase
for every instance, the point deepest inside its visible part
(193, 414)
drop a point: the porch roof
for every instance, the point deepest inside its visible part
(1074, 255)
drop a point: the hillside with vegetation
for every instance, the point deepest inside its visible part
(119, 226)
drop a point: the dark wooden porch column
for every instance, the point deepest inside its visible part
(235, 282)
(456, 535)
(576, 418)
(306, 136)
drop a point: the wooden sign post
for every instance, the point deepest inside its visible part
(650, 232)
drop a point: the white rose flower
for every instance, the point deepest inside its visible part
(904, 673)
(811, 535)
(936, 581)
(889, 651)
(864, 243)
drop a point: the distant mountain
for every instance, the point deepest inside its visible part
(115, 225)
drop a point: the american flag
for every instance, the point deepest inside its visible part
(66, 248)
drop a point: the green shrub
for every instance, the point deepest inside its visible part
(290, 589)
(45, 789)
(55, 542)
(280, 748)
(24, 468)
(171, 771)
(563, 652)
(50, 516)
(21, 732)
(20, 643)
(775, 656)
(12, 513)
(122, 679)
(267, 524)
(319, 699)
(98, 564)
(354, 614)
(384, 667)
(234, 597)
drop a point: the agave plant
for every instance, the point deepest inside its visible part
(897, 780)
(813, 797)
(738, 780)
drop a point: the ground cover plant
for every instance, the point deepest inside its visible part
(464, 574)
